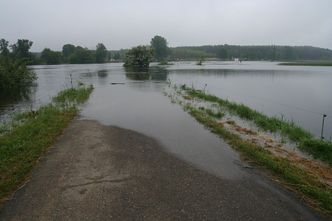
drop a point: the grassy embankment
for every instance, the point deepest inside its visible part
(318, 149)
(308, 63)
(31, 133)
(293, 176)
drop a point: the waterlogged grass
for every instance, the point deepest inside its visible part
(22, 144)
(318, 149)
(74, 95)
(294, 177)
(215, 114)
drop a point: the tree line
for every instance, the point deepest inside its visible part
(72, 54)
(270, 52)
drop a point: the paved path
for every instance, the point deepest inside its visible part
(95, 172)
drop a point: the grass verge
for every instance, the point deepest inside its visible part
(318, 149)
(21, 147)
(294, 177)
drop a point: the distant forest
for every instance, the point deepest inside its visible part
(272, 53)
(78, 55)
(229, 52)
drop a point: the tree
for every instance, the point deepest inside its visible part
(20, 50)
(15, 76)
(82, 56)
(222, 53)
(4, 51)
(160, 49)
(138, 57)
(67, 50)
(51, 57)
(101, 53)
(116, 56)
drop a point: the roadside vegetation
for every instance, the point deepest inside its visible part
(317, 148)
(30, 134)
(312, 188)
(294, 177)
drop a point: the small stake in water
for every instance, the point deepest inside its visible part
(71, 80)
(322, 132)
(204, 88)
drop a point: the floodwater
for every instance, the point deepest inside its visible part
(300, 94)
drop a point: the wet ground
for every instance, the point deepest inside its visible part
(97, 172)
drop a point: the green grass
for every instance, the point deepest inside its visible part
(293, 176)
(212, 113)
(319, 149)
(74, 95)
(308, 63)
(23, 144)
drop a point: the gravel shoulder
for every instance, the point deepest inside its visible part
(96, 172)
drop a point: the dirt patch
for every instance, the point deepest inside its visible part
(316, 168)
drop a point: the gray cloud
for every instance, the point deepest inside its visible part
(126, 23)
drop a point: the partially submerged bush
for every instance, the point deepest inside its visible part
(138, 57)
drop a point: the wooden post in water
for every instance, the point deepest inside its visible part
(322, 131)
(71, 80)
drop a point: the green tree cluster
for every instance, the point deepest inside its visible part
(138, 57)
(72, 54)
(101, 53)
(51, 57)
(160, 48)
(15, 77)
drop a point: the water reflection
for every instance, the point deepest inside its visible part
(23, 96)
(102, 73)
(154, 73)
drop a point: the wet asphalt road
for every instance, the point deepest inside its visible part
(94, 172)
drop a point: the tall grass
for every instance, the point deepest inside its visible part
(74, 95)
(22, 145)
(319, 149)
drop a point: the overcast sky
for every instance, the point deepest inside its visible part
(126, 23)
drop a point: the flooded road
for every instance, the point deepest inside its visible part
(127, 110)
(299, 94)
(97, 172)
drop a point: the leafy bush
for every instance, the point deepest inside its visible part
(139, 57)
